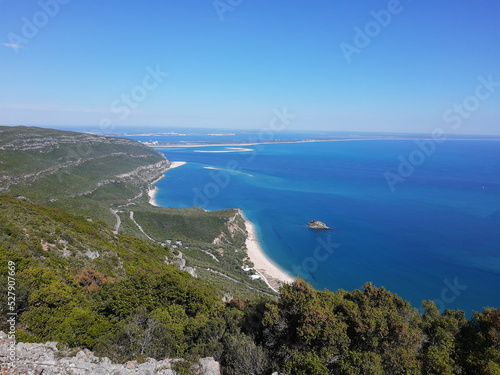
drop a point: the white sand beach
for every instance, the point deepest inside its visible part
(228, 149)
(175, 164)
(270, 272)
(152, 192)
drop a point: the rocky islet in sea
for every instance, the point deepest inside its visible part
(316, 224)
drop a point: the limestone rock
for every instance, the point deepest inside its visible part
(208, 366)
(47, 359)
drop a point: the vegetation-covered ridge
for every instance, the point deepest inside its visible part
(79, 283)
(82, 285)
(76, 171)
(107, 179)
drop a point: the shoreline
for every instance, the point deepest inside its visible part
(240, 144)
(272, 275)
(154, 189)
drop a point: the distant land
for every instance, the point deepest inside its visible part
(244, 139)
(172, 133)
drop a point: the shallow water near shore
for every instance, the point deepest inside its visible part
(436, 235)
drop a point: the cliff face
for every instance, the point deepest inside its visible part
(47, 359)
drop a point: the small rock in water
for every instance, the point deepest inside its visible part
(316, 224)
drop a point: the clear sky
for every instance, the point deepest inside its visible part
(340, 65)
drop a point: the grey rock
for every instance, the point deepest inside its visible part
(208, 366)
(147, 367)
(33, 359)
(316, 224)
(51, 344)
(131, 364)
(191, 271)
(180, 263)
(92, 254)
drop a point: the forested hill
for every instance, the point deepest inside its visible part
(80, 284)
(107, 179)
(76, 171)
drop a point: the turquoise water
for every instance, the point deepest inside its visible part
(434, 236)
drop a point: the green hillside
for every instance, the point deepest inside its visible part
(84, 172)
(107, 179)
(78, 283)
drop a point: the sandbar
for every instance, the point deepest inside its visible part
(228, 149)
(254, 143)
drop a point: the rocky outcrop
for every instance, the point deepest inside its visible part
(316, 224)
(34, 359)
(235, 230)
(180, 263)
(220, 239)
(236, 224)
(147, 173)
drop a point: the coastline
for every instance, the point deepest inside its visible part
(272, 275)
(154, 189)
(242, 144)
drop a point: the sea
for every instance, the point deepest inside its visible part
(420, 218)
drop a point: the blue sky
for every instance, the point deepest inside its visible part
(417, 65)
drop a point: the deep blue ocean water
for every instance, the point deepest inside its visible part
(434, 236)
